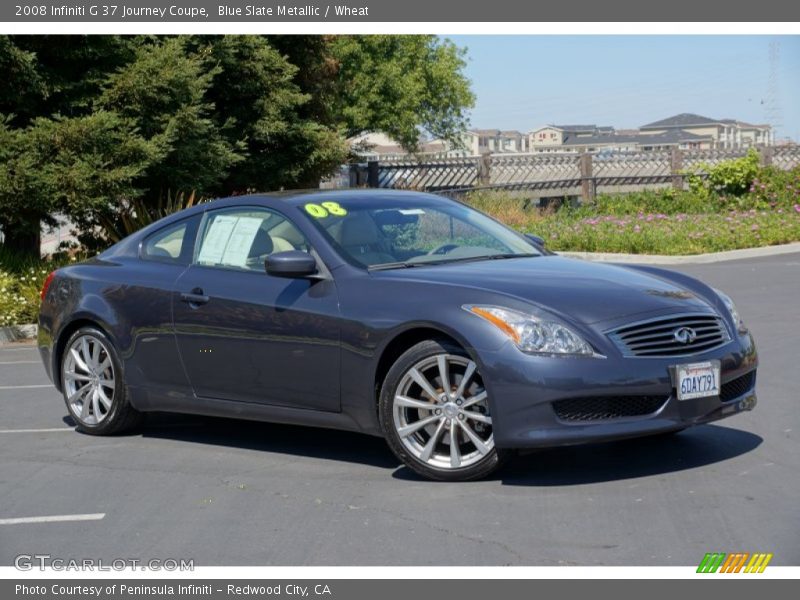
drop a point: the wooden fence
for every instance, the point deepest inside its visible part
(557, 174)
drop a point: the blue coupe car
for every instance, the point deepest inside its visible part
(398, 314)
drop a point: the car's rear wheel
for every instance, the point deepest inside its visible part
(435, 414)
(94, 391)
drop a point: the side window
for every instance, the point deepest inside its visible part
(242, 238)
(173, 243)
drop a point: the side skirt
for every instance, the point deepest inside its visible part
(144, 401)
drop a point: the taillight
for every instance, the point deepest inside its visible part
(48, 280)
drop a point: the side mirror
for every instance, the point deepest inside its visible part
(537, 241)
(292, 263)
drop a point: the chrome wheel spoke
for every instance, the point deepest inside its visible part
(412, 403)
(85, 402)
(474, 399)
(428, 449)
(420, 380)
(462, 385)
(85, 352)
(104, 399)
(455, 453)
(417, 425)
(75, 376)
(444, 373)
(79, 362)
(96, 405)
(476, 416)
(473, 437)
(79, 391)
(107, 382)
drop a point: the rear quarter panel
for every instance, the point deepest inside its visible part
(130, 300)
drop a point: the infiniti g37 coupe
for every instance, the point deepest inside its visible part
(397, 314)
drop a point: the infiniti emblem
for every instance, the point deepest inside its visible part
(684, 335)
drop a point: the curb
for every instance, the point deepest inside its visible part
(16, 333)
(662, 259)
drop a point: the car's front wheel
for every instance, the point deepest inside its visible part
(435, 414)
(94, 392)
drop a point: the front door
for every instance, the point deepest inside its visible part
(247, 336)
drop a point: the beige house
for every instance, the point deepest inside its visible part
(724, 133)
(377, 146)
(496, 141)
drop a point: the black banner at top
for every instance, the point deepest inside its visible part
(210, 11)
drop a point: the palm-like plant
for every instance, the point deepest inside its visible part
(137, 213)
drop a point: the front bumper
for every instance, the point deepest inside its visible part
(524, 388)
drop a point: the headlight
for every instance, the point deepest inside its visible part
(740, 326)
(532, 334)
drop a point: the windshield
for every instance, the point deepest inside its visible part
(382, 234)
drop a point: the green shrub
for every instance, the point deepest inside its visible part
(727, 178)
(19, 296)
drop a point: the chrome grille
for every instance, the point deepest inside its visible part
(657, 337)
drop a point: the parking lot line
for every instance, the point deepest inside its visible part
(53, 519)
(42, 430)
(25, 387)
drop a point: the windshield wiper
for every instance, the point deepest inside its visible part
(507, 255)
(446, 261)
(398, 265)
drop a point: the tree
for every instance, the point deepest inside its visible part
(67, 165)
(164, 93)
(88, 124)
(402, 85)
(256, 88)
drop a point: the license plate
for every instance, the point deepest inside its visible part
(697, 380)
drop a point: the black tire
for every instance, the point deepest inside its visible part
(120, 416)
(486, 465)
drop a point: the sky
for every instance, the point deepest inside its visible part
(522, 82)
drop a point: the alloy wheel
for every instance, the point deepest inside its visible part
(441, 412)
(88, 375)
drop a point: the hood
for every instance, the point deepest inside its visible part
(586, 291)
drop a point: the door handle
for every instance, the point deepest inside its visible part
(195, 297)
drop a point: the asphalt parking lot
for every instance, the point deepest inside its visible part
(225, 492)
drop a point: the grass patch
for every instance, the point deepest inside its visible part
(707, 218)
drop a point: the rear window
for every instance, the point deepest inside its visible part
(173, 243)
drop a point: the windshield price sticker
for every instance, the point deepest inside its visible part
(324, 209)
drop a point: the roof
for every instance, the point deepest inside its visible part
(681, 120)
(668, 137)
(506, 132)
(574, 128)
(742, 123)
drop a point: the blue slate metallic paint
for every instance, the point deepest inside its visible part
(308, 351)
